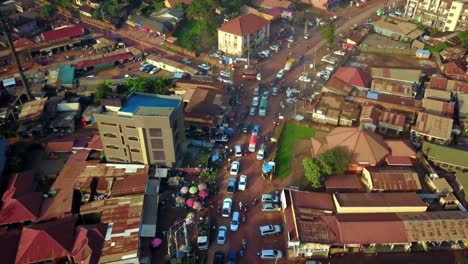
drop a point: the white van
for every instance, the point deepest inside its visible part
(238, 150)
(261, 153)
(252, 143)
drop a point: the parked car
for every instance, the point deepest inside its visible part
(255, 101)
(256, 91)
(253, 110)
(261, 152)
(270, 207)
(270, 254)
(368, 22)
(256, 130)
(235, 167)
(242, 183)
(274, 91)
(329, 68)
(280, 74)
(269, 198)
(155, 70)
(300, 58)
(259, 76)
(265, 53)
(222, 235)
(308, 36)
(235, 221)
(304, 78)
(274, 81)
(275, 48)
(245, 127)
(398, 13)
(218, 257)
(231, 185)
(186, 61)
(392, 15)
(203, 66)
(339, 52)
(266, 93)
(290, 39)
(148, 68)
(227, 205)
(268, 230)
(126, 76)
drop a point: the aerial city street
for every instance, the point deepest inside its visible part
(243, 131)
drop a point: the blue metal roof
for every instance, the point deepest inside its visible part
(148, 100)
(372, 95)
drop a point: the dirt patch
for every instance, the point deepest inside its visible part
(296, 177)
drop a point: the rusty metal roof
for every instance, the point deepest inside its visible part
(394, 179)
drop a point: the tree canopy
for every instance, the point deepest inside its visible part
(328, 33)
(331, 162)
(102, 89)
(463, 36)
(48, 11)
(147, 85)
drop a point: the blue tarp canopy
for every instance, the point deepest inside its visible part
(229, 131)
(267, 167)
(215, 157)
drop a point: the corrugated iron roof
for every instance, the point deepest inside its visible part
(394, 179)
(409, 199)
(60, 146)
(434, 126)
(244, 25)
(32, 110)
(344, 182)
(103, 60)
(68, 32)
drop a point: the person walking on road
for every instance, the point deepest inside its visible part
(240, 205)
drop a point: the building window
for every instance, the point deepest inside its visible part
(159, 155)
(155, 132)
(449, 21)
(157, 144)
(112, 147)
(108, 124)
(116, 159)
(133, 138)
(132, 127)
(109, 135)
(451, 15)
(135, 150)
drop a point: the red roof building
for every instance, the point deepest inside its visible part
(391, 179)
(67, 32)
(95, 143)
(402, 153)
(9, 241)
(344, 183)
(104, 60)
(353, 76)
(244, 25)
(20, 202)
(23, 42)
(59, 146)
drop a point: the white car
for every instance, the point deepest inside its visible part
(155, 70)
(259, 76)
(222, 234)
(235, 221)
(304, 78)
(270, 254)
(235, 166)
(203, 66)
(280, 74)
(307, 36)
(340, 53)
(253, 110)
(242, 183)
(398, 13)
(126, 76)
(290, 39)
(227, 205)
(270, 207)
(267, 230)
(255, 101)
(275, 48)
(265, 53)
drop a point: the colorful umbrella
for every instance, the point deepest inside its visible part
(180, 200)
(201, 186)
(190, 217)
(184, 190)
(203, 193)
(156, 242)
(190, 202)
(197, 205)
(193, 190)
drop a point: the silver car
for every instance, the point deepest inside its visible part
(270, 207)
(270, 254)
(222, 234)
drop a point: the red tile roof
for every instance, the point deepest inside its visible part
(59, 146)
(88, 243)
(379, 199)
(20, 203)
(132, 184)
(23, 42)
(78, 156)
(439, 83)
(9, 241)
(394, 179)
(95, 143)
(46, 241)
(344, 182)
(68, 32)
(353, 76)
(244, 25)
(312, 200)
(399, 147)
(453, 68)
(112, 58)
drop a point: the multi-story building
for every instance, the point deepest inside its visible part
(446, 15)
(147, 129)
(236, 36)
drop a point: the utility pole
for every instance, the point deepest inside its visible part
(5, 28)
(305, 27)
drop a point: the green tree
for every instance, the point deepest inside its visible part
(437, 48)
(139, 84)
(161, 85)
(312, 172)
(48, 11)
(463, 36)
(102, 89)
(328, 33)
(180, 6)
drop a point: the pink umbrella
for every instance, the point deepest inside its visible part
(190, 202)
(156, 242)
(197, 205)
(203, 193)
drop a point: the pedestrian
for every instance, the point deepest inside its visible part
(245, 208)
(229, 160)
(240, 205)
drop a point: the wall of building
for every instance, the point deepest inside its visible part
(230, 43)
(383, 209)
(367, 180)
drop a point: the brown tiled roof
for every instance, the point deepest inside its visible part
(244, 25)
(367, 228)
(344, 182)
(315, 231)
(132, 184)
(313, 200)
(202, 101)
(59, 146)
(453, 68)
(437, 94)
(402, 153)
(433, 125)
(338, 86)
(353, 76)
(379, 199)
(394, 179)
(437, 82)
(438, 107)
(370, 114)
(392, 118)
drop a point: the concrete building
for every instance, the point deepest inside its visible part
(236, 36)
(446, 15)
(148, 129)
(397, 29)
